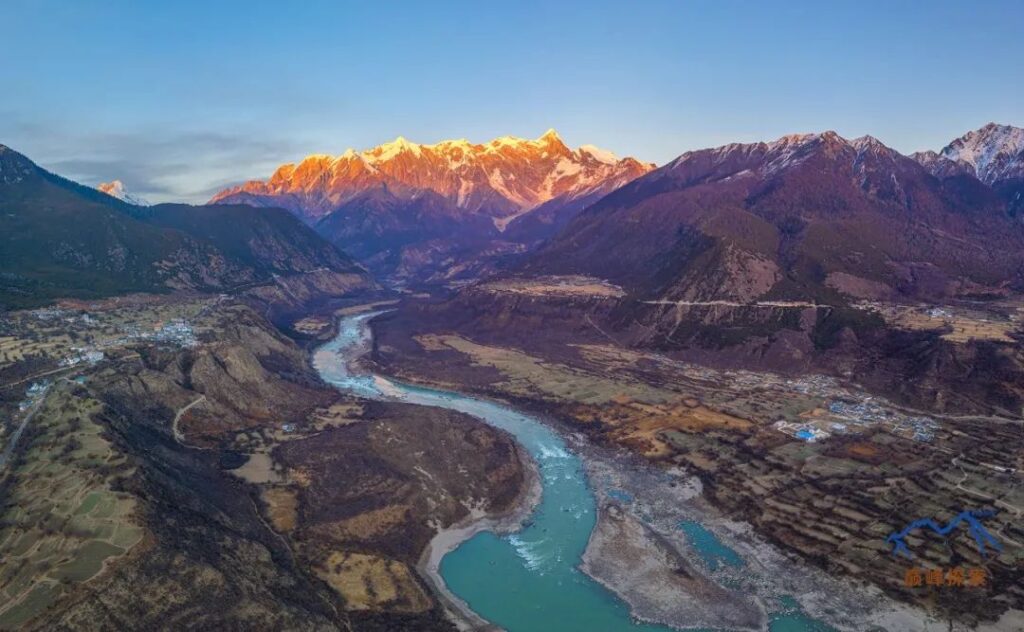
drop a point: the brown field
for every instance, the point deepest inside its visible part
(642, 426)
(962, 325)
(312, 325)
(570, 286)
(282, 507)
(531, 376)
(368, 582)
(368, 525)
(365, 307)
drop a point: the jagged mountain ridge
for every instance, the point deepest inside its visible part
(808, 216)
(442, 212)
(994, 154)
(500, 179)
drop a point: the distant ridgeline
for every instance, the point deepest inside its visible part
(973, 519)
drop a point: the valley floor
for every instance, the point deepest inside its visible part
(817, 467)
(179, 460)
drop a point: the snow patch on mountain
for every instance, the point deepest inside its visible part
(994, 152)
(115, 188)
(600, 155)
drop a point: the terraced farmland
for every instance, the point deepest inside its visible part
(62, 516)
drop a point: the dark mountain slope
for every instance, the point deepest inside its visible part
(811, 217)
(268, 240)
(378, 227)
(61, 239)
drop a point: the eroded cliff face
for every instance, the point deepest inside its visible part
(269, 500)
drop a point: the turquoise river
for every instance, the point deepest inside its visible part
(528, 581)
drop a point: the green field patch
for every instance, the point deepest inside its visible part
(24, 542)
(87, 505)
(106, 507)
(21, 579)
(47, 546)
(73, 520)
(38, 600)
(87, 562)
(126, 536)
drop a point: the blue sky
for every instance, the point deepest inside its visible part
(181, 98)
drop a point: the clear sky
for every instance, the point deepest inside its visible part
(180, 98)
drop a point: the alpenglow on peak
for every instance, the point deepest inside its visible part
(501, 178)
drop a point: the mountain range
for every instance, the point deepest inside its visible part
(807, 217)
(777, 256)
(415, 210)
(62, 239)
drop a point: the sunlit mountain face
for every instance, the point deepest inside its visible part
(116, 188)
(501, 179)
(430, 211)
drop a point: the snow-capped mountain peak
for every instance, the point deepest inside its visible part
(115, 188)
(993, 153)
(502, 179)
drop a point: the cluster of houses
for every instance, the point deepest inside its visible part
(176, 332)
(33, 394)
(80, 355)
(849, 417)
(48, 313)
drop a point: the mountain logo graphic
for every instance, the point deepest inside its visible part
(971, 517)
